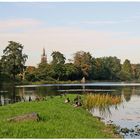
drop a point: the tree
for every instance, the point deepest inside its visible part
(100, 70)
(44, 71)
(13, 60)
(71, 72)
(0, 70)
(114, 67)
(57, 65)
(126, 72)
(137, 71)
(107, 68)
(30, 73)
(83, 61)
(58, 71)
(58, 58)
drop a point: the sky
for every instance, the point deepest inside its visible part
(101, 28)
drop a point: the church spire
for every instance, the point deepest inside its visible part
(44, 57)
(43, 52)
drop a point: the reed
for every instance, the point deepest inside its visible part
(101, 101)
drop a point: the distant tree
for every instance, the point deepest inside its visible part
(107, 68)
(57, 65)
(58, 58)
(126, 72)
(114, 67)
(137, 71)
(13, 59)
(101, 71)
(71, 72)
(30, 73)
(83, 61)
(44, 71)
(0, 70)
(58, 71)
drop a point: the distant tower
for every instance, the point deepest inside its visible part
(43, 57)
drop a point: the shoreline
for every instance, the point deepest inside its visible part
(56, 115)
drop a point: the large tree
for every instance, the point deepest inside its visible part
(44, 71)
(114, 67)
(107, 68)
(58, 58)
(126, 70)
(0, 70)
(57, 65)
(71, 72)
(83, 61)
(13, 59)
(136, 71)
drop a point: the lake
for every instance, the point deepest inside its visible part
(125, 115)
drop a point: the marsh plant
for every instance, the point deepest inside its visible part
(102, 103)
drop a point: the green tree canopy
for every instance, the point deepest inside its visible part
(83, 60)
(58, 58)
(126, 70)
(13, 59)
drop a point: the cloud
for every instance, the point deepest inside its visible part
(67, 40)
(13, 24)
(100, 22)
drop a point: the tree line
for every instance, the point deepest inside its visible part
(83, 64)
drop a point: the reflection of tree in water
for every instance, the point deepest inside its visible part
(43, 91)
(8, 93)
(12, 94)
(127, 93)
(102, 103)
(103, 111)
(34, 92)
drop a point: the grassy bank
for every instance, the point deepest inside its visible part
(58, 120)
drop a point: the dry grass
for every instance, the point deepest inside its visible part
(101, 101)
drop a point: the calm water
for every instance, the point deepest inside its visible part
(127, 114)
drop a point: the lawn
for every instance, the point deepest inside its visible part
(58, 120)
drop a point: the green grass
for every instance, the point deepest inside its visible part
(58, 120)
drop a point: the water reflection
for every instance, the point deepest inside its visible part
(102, 103)
(11, 94)
(127, 93)
(118, 98)
(127, 113)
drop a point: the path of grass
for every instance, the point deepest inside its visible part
(59, 120)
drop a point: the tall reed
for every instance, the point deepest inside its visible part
(101, 101)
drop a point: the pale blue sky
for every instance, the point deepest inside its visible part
(103, 28)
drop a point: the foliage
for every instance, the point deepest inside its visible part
(12, 65)
(107, 68)
(58, 71)
(30, 74)
(58, 58)
(83, 61)
(71, 72)
(126, 73)
(13, 60)
(136, 71)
